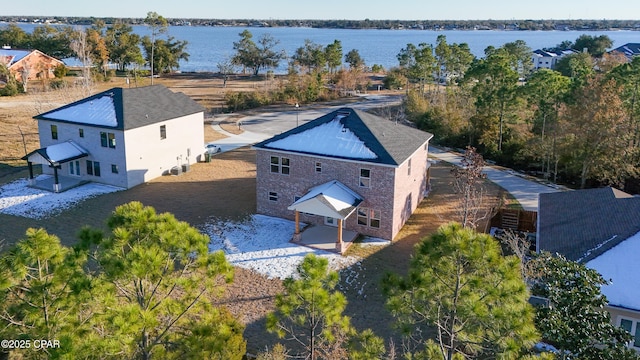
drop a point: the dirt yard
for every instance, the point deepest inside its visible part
(225, 188)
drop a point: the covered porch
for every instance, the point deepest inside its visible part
(47, 182)
(54, 156)
(332, 200)
(325, 237)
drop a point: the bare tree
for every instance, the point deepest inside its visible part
(226, 68)
(468, 183)
(519, 246)
(82, 49)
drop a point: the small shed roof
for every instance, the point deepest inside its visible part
(57, 154)
(332, 199)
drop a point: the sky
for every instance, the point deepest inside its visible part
(335, 9)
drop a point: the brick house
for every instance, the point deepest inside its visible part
(121, 137)
(34, 64)
(346, 169)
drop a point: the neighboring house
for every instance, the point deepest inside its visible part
(33, 64)
(601, 229)
(121, 137)
(629, 50)
(548, 59)
(346, 169)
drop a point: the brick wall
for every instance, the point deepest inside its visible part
(409, 188)
(303, 176)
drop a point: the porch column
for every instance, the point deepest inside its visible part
(32, 181)
(56, 182)
(297, 237)
(339, 241)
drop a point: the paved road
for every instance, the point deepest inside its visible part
(525, 191)
(263, 126)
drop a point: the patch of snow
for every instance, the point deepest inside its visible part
(65, 150)
(544, 347)
(331, 139)
(616, 266)
(262, 243)
(338, 195)
(16, 198)
(586, 254)
(100, 111)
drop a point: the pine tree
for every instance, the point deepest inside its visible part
(460, 284)
(163, 280)
(309, 313)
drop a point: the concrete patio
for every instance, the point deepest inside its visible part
(47, 183)
(324, 238)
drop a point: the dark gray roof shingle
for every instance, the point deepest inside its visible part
(391, 142)
(583, 224)
(138, 107)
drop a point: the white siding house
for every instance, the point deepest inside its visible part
(123, 137)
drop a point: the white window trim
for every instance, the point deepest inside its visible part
(360, 178)
(635, 329)
(279, 165)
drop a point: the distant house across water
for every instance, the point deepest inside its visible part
(29, 64)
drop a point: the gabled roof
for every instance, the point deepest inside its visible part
(333, 199)
(584, 224)
(351, 134)
(629, 49)
(57, 154)
(124, 109)
(11, 56)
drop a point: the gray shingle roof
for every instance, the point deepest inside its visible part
(583, 224)
(629, 49)
(138, 107)
(392, 143)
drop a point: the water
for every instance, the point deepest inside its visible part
(209, 46)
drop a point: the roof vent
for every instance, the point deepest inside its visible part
(146, 115)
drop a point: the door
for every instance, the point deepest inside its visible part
(332, 221)
(74, 168)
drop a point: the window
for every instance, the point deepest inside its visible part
(318, 167)
(93, 168)
(163, 132)
(409, 167)
(74, 167)
(81, 132)
(103, 139)
(54, 132)
(273, 196)
(365, 178)
(114, 168)
(280, 165)
(112, 140)
(108, 140)
(633, 327)
(369, 217)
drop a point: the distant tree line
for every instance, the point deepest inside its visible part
(521, 24)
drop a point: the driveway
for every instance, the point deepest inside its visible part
(523, 190)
